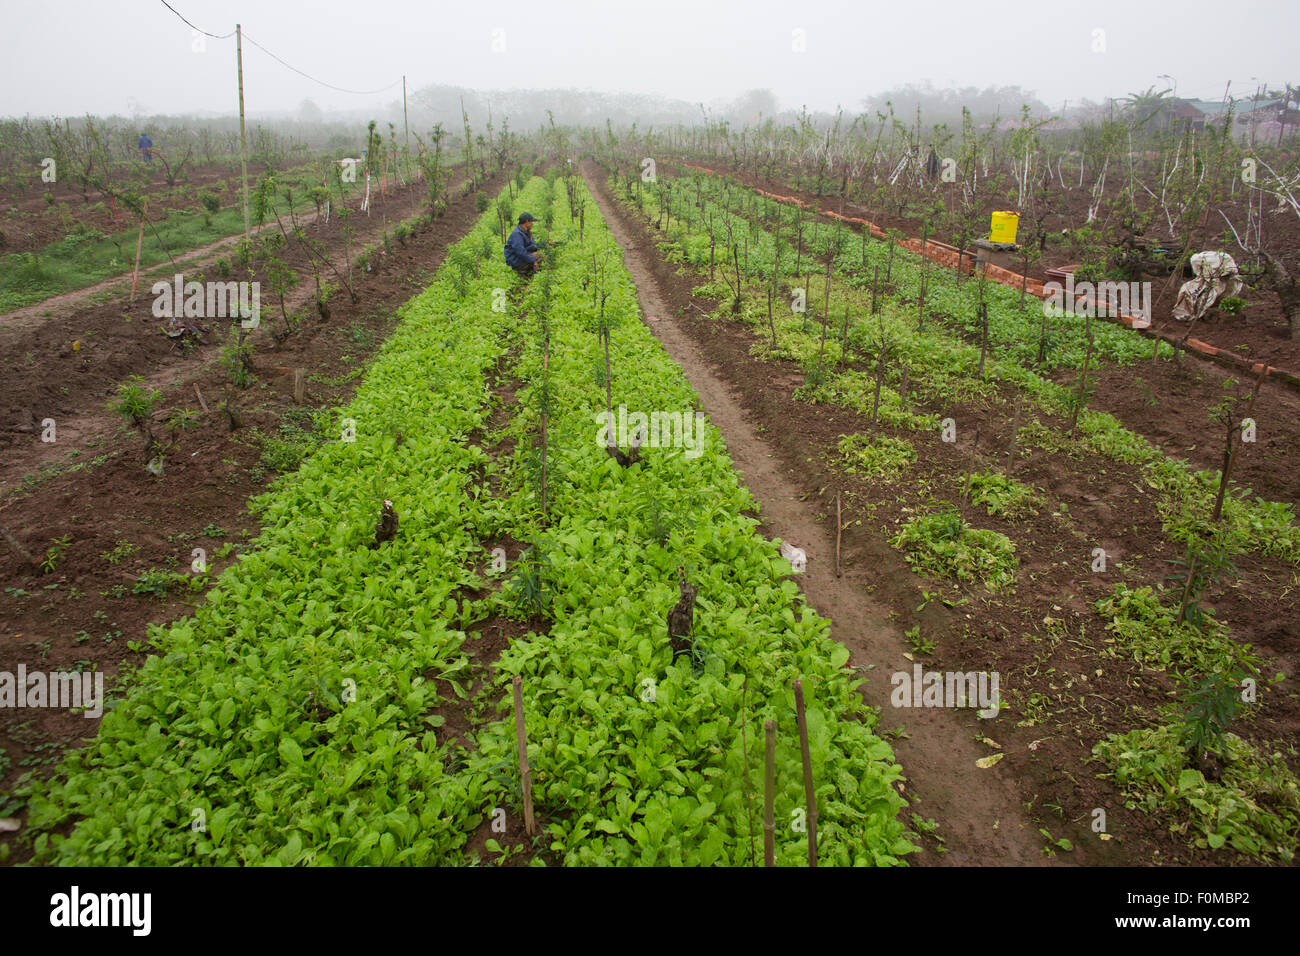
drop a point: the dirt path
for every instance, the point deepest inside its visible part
(66, 303)
(980, 816)
(93, 418)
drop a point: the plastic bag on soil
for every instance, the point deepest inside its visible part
(1216, 277)
(796, 556)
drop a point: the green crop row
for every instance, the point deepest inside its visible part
(639, 759)
(290, 720)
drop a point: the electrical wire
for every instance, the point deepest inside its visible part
(214, 36)
(225, 36)
(331, 86)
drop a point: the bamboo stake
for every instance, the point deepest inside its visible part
(769, 795)
(810, 795)
(521, 744)
(139, 248)
(744, 746)
(1083, 384)
(546, 372)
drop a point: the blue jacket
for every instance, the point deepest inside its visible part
(519, 249)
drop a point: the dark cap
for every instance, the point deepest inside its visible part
(526, 217)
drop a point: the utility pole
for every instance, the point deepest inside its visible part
(1286, 104)
(243, 141)
(406, 126)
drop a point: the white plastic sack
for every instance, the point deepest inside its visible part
(798, 560)
(1216, 277)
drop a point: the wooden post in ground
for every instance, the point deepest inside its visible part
(810, 795)
(521, 744)
(1015, 428)
(243, 139)
(769, 796)
(299, 385)
(202, 404)
(139, 248)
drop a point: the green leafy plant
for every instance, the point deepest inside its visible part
(942, 544)
(1004, 497)
(54, 554)
(135, 401)
(884, 457)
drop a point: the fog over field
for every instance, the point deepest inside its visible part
(139, 58)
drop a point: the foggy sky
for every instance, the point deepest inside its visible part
(70, 57)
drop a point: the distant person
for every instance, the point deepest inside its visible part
(521, 250)
(146, 148)
(932, 164)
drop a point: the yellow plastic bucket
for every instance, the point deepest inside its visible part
(1003, 227)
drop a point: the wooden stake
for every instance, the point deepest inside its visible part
(810, 795)
(744, 748)
(1083, 384)
(243, 140)
(521, 745)
(839, 527)
(769, 795)
(139, 247)
(299, 385)
(546, 373)
(199, 395)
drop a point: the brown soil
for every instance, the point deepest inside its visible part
(30, 222)
(67, 365)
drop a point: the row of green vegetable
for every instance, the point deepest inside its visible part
(290, 719)
(640, 759)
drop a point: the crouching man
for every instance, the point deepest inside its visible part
(522, 254)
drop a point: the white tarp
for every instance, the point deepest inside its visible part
(1216, 277)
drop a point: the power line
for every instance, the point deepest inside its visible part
(226, 36)
(214, 36)
(312, 78)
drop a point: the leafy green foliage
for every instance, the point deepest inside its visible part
(883, 457)
(135, 401)
(247, 711)
(941, 544)
(1254, 806)
(1147, 629)
(1004, 497)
